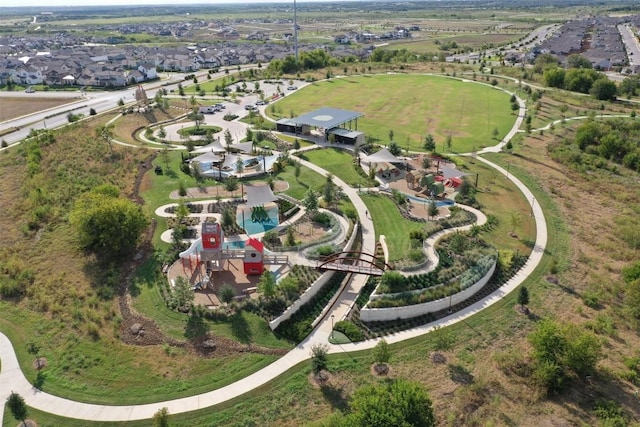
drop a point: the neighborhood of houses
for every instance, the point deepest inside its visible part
(122, 65)
(77, 60)
(597, 38)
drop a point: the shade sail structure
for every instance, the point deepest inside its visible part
(326, 117)
(449, 173)
(207, 158)
(243, 147)
(230, 162)
(214, 147)
(383, 156)
(259, 195)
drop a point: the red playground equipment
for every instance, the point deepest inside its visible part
(253, 257)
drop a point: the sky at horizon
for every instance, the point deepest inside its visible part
(59, 3)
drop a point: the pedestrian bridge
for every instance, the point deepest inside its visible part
(354, 262)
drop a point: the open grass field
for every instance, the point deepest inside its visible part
(20, 106)
(578, 281)
(432, 43)
(413, 106)
(339, 162)
(387, 221)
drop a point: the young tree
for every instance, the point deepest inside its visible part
(34, 350)
(231, 184)
(18, 407)
(429, 143)
(182, 296)
(515, 220)
(267, 285)
(105, 132)
(319, 361)
(162, 134)
(523, 296)
(426, 162)
(433, 209)
(228, 139)
(397, 403)
(310, 201)
(239, 170)
(495, 132)
(448, 142)
(291, 237)
(381, 353)
(394, 148)
(226, 293)
(390, 135)
(161, 418)
(197, 117)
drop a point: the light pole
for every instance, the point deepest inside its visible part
(533, 203)
(332, 326)
(295, 32)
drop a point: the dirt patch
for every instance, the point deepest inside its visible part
(28, 105)
(380, 369)
(308, 231)
(214, 191)
(40, 363)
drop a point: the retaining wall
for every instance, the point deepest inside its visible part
(415, 310)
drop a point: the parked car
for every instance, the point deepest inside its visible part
(262, 102)
(250, 107)
(29, 90)
(292, 88)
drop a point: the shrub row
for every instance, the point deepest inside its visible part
(350, 330)
(300, 324)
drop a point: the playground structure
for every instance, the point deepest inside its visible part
(208, 255)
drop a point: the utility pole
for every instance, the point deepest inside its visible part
(295, 31)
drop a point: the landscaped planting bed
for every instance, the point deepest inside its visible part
(300, 324)
(463, 261)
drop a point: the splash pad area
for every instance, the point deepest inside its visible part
(257, 219)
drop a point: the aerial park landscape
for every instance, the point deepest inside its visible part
(251, 245)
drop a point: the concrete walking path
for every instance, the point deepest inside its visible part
(12, 378)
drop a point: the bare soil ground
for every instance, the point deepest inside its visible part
(214, 191)
(17, 107)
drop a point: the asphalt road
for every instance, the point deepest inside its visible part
(99, 101)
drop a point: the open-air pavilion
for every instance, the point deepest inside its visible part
(330, 121)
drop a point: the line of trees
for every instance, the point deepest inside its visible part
(578, 77)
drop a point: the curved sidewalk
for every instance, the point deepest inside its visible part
(12, 378)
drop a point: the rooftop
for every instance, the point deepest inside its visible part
(326, 117)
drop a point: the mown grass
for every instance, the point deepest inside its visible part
(338, 162)
(148, 301)
(299, 187)
(412, 106)
(387, 221)
(498, 196)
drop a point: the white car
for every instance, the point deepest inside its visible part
(29, 90)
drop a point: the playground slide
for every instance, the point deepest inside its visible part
(194, 249)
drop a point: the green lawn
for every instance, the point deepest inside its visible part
(338, 162)
(387, 221)
(299, 187)
(292, 398)
(413, 106)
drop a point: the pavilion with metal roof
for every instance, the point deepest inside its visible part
(327, 118)
(330, 121)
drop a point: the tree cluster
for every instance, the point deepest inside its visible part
(107, 223)
(578, 77)
(616, 140)
(561, 352)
